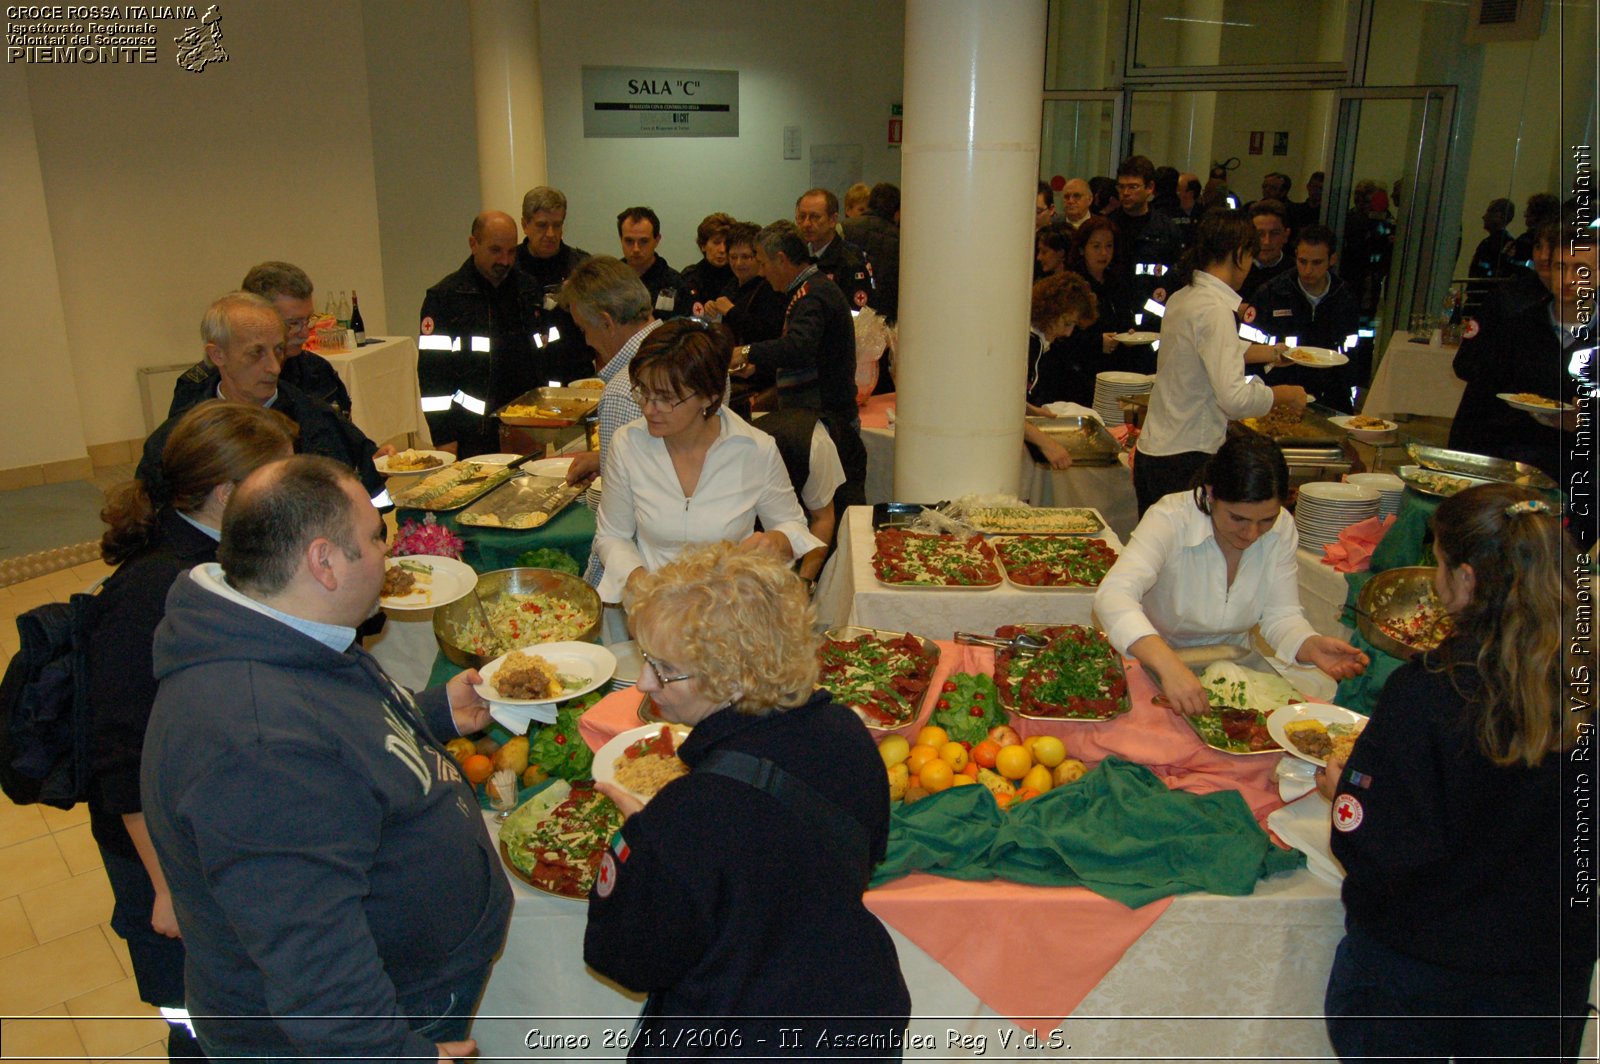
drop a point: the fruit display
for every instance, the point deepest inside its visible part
(1013, 769)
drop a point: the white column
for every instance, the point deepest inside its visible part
(968, 166)
(510, 101)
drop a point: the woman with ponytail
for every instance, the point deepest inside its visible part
(152, 540)
(1466, 934)
(1200, 380)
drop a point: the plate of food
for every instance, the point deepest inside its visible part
(1078, 676)
(547, 672)
(409, 462)
(883, 676)
(1035, 520)
(1313, 730)
(922, 560)
(1316, 357)
(1049, 563)
(1364, 428)
(1136, 337)
(1432, 482)
(642, 760)
(1534, 404)
(423, 581)
(554, 841)
(1240, 699)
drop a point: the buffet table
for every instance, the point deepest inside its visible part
(1108, 489)
(849, 593)
(1414, 378)
(385, 400)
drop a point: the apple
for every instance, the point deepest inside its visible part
(1005, 735)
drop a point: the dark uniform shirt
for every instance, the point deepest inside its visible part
(705, 282)
(1261, 273)
(1283, 310)
(1148, 246)
(308, 371)
(879, 239)
(669, 294)
(556, 336)
(476, 353)
(846, 266)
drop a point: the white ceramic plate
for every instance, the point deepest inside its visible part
(1316, 357)
(1381, 482)
(1280, 718)
(1132, 337)
(1343, 421)
(446, 459)
(1120, 376)
(450, 580)
(550, 467)
(495, 459)
(590, 662)
(1338, 493)
(1534, 408)
(605, 758)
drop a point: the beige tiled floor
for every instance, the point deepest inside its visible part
(66, 984)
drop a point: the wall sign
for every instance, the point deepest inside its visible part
(1257, 140)
(660, 102)
(1280, 142)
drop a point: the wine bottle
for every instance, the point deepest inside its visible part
(344, 311)
(357, 326)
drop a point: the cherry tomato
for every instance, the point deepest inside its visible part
(975, 711)
(944, 703)
(561, 740)
(949, 685)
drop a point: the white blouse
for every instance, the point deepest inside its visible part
(1172, 581)
(645, 519)
(1200, 378)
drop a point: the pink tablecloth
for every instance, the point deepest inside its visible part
(980, 931)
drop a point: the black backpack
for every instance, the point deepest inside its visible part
(45, 725)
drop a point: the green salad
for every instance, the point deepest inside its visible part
(558, 748)
(969, 705)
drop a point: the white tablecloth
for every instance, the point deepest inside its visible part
(384, 398)
(849, 593)
(1274, 946)
(1414, 379)
(1322, 593)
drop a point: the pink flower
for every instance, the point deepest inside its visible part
(426, 538)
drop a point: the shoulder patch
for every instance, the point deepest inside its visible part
(861, 297)
(1249, 314)
(427, 327)
(1470, 329)
(605, 881)
(1347, 812)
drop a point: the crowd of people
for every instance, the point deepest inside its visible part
(297, 859)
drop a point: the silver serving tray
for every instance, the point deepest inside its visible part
(1410, 473)
(437, 491)
(997, 529)
(1085, 438)
(1010, 707)
(527, 502)
(572, 405)
(853, 631)
(1476, 465)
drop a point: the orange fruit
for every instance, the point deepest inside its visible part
(1013, 762)
(984, 753)
(937, 776)
(955, 754)
(1025, 793)
(1004, 800)
(971, 771)
(920, 755)
(477, 768)
(933, 735)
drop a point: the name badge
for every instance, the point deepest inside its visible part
(1286, 312)
(549, 301)
(667, 300)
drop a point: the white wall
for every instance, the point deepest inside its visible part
(831, 67)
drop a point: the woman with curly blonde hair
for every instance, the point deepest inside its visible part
(1453, 813)
(737, 892)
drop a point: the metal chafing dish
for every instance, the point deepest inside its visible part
(1314, 430)
(526, 502)
(1085, 438)
(563, 407)
(456, 486)
(1480, 466)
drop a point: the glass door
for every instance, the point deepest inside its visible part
(1079, 135)
(1386, 200)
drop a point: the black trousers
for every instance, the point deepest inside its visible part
(1155, 475)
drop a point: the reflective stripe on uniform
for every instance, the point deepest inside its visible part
(1155, 308)
(435, 342)
(480, 344)
(470, 403)
(434, 404)
(1253, 334)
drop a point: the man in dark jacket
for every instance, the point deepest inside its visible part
(639, 230)
(245, 338)
(816, 215)
(549, 260)
(338, 893)
(815, 358)
(877, 234)
(1148, 242)
(1309, 305)
(475, 351)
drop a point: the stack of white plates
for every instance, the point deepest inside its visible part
(1389, 488)
(591, 498)
(1326, 509)
(1111, 385)
(628, 665)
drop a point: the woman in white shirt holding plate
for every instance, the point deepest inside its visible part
(1206, 566)
(690, 470)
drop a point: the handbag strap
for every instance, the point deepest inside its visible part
(802, 799)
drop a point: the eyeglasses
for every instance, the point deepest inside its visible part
(656, 399)
(661, 673)
(296, 324)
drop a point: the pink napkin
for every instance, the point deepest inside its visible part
(1352, 551)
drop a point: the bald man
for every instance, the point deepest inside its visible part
(474, 346)
(1076, 199)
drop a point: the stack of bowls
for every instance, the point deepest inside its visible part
(1326, 509)
(628, 665)
(1389, 487)
(1111, 385)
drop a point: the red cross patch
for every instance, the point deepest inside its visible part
(699, 309)
(1249, 314)
(1347, 812)
(1470, 329)
(861, 297)
(606, 881)
(427, 326)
